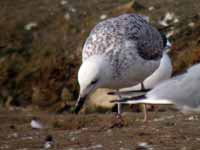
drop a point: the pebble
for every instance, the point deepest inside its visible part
(67, 16)
(176, 20)
(144, 146)
(103, 16)
(15, 135)
(75, 132)
(63, 2)
(27, 138)
(109, 132)
(98, 146)
(73, 139)
(191, 24)
(72, 9)
(30, 26)
(191, 118)
(151, 8)
(36, 124)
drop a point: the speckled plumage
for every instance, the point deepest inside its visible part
(119, 52)
(124, 39)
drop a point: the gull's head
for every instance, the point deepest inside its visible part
(91, 75)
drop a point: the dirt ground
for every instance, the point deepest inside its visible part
(165, 130)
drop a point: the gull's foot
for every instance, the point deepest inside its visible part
(117, 121)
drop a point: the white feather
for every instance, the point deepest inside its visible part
(182, 90)
(163, 72)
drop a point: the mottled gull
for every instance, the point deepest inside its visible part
(119, 52)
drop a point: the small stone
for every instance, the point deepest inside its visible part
(36, 124)
(176, 20)
(84, 129)
(96, 146)
(75, 132)
(15, 135)
(103, 16)
(63, 2)
(191, 24)
(151, 8)
(30, 25)
(27, 138)
(67, 16)
(72, 9)
(73, 139)
(143, 146)
(191, 118)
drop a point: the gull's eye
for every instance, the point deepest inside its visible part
(94, 81)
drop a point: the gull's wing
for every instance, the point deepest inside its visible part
(163, 73)
(182, 90)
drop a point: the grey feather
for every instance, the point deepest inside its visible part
(183, 90)
(114, 33)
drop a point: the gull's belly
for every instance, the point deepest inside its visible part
(133, 75)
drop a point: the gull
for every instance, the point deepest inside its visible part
(181, 90)
(162, 73)
(119, 52)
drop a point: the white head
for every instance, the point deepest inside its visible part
(93, 73)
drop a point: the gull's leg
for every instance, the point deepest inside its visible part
(145, 113)
(144, 105)
(118, 121)
(118, 104)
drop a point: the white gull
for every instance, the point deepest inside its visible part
(119, 52)
(181, 90)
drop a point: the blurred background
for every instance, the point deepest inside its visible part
(41, 43)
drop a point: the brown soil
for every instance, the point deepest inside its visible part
(166, 130)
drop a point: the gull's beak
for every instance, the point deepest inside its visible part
(79, 104)
(83, 94)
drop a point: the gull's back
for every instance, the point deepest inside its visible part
(132, 47)
(114, 36)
